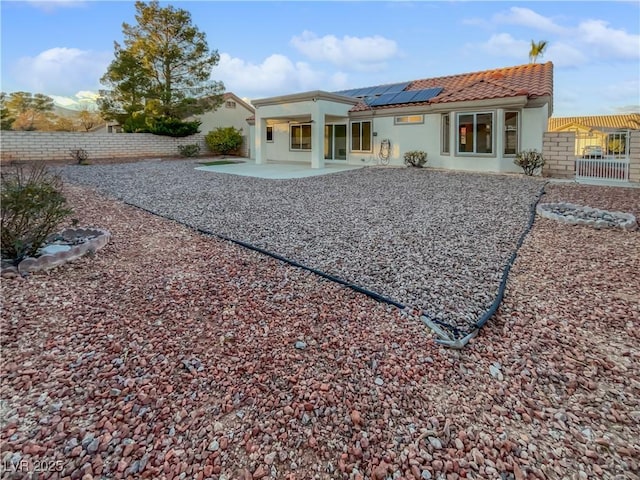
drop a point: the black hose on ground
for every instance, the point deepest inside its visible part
(457, 333)
(507, 269)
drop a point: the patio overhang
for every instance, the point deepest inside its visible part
(315, 108)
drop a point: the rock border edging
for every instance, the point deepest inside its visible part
(573, 214)
(99, 239)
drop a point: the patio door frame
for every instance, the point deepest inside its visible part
(330, 129)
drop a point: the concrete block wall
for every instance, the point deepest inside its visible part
(55, 146)
(634, 157)
(558, 149)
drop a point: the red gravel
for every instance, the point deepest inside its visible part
(172, 353)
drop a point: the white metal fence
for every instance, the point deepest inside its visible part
(602, 156)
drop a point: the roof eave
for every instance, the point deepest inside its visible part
(313, 95)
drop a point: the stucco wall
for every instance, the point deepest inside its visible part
(225, 117)
(55, 146)
(405, 137)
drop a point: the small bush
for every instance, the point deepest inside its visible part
(32, 207)
(190, 150)
(415, 158)
(224, 140)
(80, 155)
(530, 161)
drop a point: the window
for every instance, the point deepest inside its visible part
(510, 133)
(361, 136)
(269, 134)
(475, 133)
(407, 119)
(446, 133)
(230, 104)
(301, 137)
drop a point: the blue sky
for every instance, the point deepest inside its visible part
(62, 48)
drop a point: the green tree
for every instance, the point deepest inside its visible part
(162, 70)
(29, 109)
(537, 50)
(88, 119)
(5, 116)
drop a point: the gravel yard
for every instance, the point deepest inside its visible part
(434, 240)
(140, 364)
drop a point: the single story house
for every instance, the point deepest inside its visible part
(472, 121)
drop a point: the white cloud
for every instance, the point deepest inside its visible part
(51, 5)
(564, 55)
(528, 18)
(357, 53)
(623, 90)
(504, 45)
(61, 70)
(83, 98)
(609, 42)
(277, 74)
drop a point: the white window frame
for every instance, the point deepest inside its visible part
(504, 133)
(445, 134)
(408, 119)
(291, 135)
(475, 137)
(361, 122)
(230, 104)
(269, 131)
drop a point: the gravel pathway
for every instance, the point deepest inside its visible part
(138, 364)
(434, 240)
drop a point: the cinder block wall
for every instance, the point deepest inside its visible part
(634, 157)
(558, 149)
(55, 146)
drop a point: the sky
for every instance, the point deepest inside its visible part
(62, 47)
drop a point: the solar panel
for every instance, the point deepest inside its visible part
(375, 90)
(410, 96)
(404, 97)
(397, 87)
(426, 94)
(384, 99)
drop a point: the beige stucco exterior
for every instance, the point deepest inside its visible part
(233, 112)
(322, 108)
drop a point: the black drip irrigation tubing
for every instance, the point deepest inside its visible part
(458, 339)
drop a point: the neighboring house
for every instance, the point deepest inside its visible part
(630, 121)
(475, 121)
(232, 112)
(598, 135)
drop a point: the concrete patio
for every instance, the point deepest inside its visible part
(276, 170)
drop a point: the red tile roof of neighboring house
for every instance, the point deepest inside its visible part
(533, 80)
(631, 121)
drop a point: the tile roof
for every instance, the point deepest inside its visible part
(533, 80)
(631, 121)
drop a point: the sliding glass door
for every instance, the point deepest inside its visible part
(335, 142)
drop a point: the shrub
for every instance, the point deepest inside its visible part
(140, 122)
(224, 140)
(32, 207)
(190, 150)
(415, 158)
(530, 161)
(80, 155)
(173, 127)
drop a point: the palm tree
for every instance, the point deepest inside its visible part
(537, 50)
